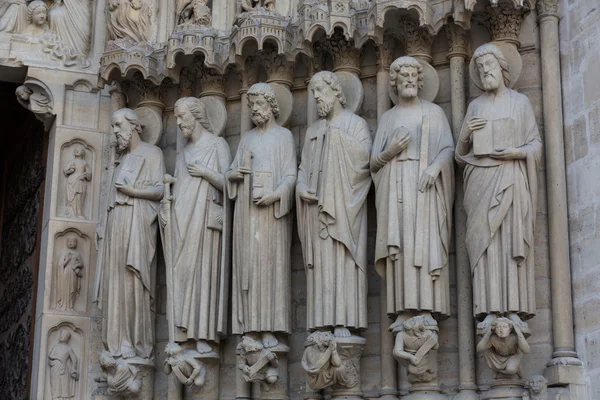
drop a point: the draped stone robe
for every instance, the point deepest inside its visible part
(200, 283)
(414, 284)
(500, 203)
(128, 268)
(333, 232)
(261, 262)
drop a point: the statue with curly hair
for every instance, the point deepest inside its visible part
(261, 180)
(503, 346)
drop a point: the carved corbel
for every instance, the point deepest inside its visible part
(37, 98)
(385, 53)
(547, 8)
(346, 57)
(503, 21)
(212, 83)
(279, 69)
(417, 40)
(458, 41)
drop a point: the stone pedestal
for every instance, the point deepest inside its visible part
(425, 391)
(350, 349)
(505, 390)
(278, 390)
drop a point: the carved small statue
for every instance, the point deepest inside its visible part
(125, 288)
(13, 16)
(71, 23)
(416, 342)
(129, 19)
(257, 363)
(78, 175)
(333, 183)
(34, 101)
(538, 388)
(68, 276)
(37, 18)
(413, 171)
(261, 180)
(322, 362)
(63, 364)
(186, 368)
(123, 378)
(194, 12)
(500, 149)
(503, 346)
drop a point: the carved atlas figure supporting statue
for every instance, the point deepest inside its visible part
(78, 173)
(500, 149)
(261, 180)
(67, 282)
(123, 378)
(63, 364)
(125, 289)
(416, 342)
(257, 363)
(184, 365)
(323, 363)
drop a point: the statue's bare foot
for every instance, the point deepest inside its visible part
(340, 331)
(397, 324)
(486, 323)
(203, 347)
(269, 340)
(128, 354)
(514, 317)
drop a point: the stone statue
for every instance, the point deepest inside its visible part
(538, 388)
(261, 180)
(194, 12)
(13, 16)
(254, 5)
(416, 345)
(67, 281)
(129, 19)
(200, 286)
(71, 23)
(186, 368)
(34, 101)
(503, 346)
(322, 362)
(412, 167)
(257, 363)
(37, 18)
(122, 378)
(63, 364)
(501, 151)
(126, 271)
(333, 183)
(78, 175)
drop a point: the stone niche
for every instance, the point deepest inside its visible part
(75, 195)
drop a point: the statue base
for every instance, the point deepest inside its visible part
(350, 350)
(425, 391)
(505, 390)
(139, 386)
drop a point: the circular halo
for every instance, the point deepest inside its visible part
(285, 100)
(152, 124)
(431, 84)
(352, 88)
(216, 114)
(515, 64)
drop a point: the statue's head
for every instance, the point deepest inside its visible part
(320, 339)
(79, 152)
(106, 360)
(263, 103)
(125, 123)
(491, 66)
(172, 349)
(23, 92)
(248, 345)
(190, 111)
(64, 336)
(415, 325)
(136, 4)
(537, 383)
(406, 77)
(37, 13)
(72, 243)
(113, 4)
(327, 90)
(502, 327)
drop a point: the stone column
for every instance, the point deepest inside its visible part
(457, 55)
(565, 367)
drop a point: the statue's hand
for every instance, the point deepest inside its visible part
(126, 188)
(196, 170)
(399, 145)
(267, 199)
(237, 174)
(511, 153)
(428, 178)
(414, 360)
(475, 124)
(75, 375)
(189, 382)
(246, 370)
(310, 198)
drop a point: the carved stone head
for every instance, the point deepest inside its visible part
(537, 384)
(406, 77)
(190, 111)
(320, 339)
(79, 152)
(106, 360)
(502, 327)
(135, 4)
(263, 103)
(37, 13)
(125, 123)
(248, 345)
(492, 66)
(72, 243)
(23, 92)
(172, 349)
(64, 336)
(327, 89)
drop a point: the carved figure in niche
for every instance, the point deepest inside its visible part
(122, 378)
(13, 16)
(71, 23)
(63, 368)
(78, 175)
(37, 18)
(199, 276)
(126, 269)
(129, 19)
(255, 5)
(68, 276)
(500, 149)
(261, 180)
(186, 368)
(322, 362)
(503, 346)
(194, 12)
(34, 101)
(257, 363)
(415, 340)
(538, 388)
(333, 183)
(412, 167)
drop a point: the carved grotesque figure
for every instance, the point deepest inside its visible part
(13, 16)
(195, 12)
(68, 276)
(503, 346)
(78, 175)
(261, 180)
(37, 18)
(257, 363)
(500, 149)
(412, 168)
(186, 368)
(416, 345)
(122, 378)
(63, 364)
(126, 268)
(333, 183)
(322, 362)
(538, 388)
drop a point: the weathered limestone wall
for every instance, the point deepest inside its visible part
(580, 57)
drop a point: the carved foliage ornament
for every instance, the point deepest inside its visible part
(503, 21)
